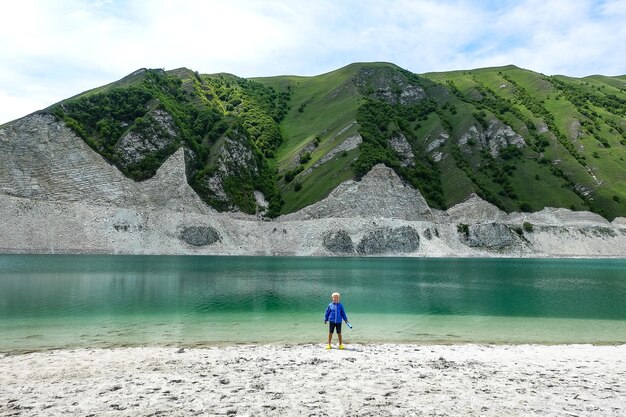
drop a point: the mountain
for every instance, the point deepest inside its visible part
(520, 140)
(366, 160)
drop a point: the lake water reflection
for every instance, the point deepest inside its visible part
(49, 301)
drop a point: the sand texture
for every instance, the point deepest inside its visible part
(307, 380)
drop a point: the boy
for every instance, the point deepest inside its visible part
(335, 313)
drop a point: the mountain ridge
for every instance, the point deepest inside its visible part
(519, 139)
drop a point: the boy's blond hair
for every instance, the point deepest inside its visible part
(335, 294)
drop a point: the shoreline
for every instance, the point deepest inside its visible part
(294, 345)
(482, 255)
(305, 379)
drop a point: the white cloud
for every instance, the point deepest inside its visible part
(51, 50)
(559, 37)
(12, 107)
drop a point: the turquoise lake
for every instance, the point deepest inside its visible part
(66, 301)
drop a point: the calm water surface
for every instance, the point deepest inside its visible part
(50, 301)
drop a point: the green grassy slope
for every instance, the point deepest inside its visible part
(574, 129)
(519, 139)
(322, 114)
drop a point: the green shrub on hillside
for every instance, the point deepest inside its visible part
(259, 107)
(102, 117)
(463, 229)
(198, 111)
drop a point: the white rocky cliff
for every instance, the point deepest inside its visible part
(58, 196)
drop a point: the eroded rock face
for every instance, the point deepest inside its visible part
(200, 235)
(429, 234)
(158, 132)
(387, 240)
(403, 149)
(433, 145)
(496, 137)
(338, 242)
(562, 216)
(389, 85)
(475, 210)
(500, 136)
(492, 236)
(43, 159)
(235, 157)
(381, 193)
(169, 187)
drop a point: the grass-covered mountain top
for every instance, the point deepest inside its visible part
(517, 138)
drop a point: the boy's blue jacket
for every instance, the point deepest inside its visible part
(335, 312)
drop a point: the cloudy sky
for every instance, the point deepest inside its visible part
(53, 49)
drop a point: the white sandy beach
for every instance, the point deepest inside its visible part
(307, 380)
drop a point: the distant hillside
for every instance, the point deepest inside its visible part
(519, 139)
